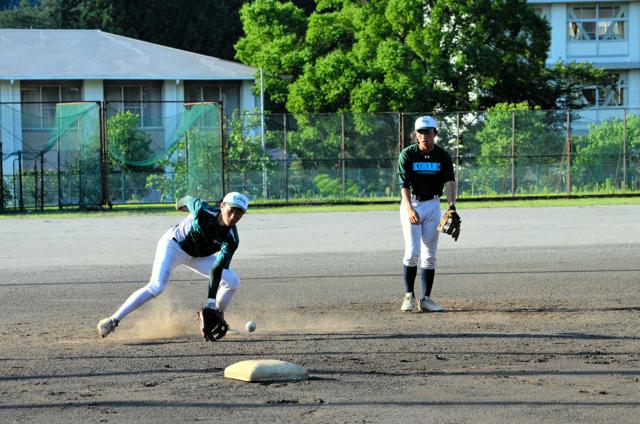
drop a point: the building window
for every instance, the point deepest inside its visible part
(40, 102)
(609, 96)
(228, 94)
(141, 100)
(596, 21)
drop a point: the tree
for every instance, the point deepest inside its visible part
(404, 55)
(274, 41)
(25, 15)
(598, 162)
(128, 146)
(514, 129)
(201, 26)
(248, 162)
(563, 85)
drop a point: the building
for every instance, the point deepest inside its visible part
(606, 34)
(42, 67)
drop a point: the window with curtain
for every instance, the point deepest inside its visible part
(227, 93)
(597, 21)
(40, 102)
(612, 95)
(141, 100)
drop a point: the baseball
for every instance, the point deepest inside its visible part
(250, 326)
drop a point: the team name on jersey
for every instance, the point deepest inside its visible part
(426, 167)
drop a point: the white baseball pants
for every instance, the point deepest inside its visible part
(421, 240)
(168, 256)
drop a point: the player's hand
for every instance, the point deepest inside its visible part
(413, 217)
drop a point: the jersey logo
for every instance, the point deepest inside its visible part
(426, 167)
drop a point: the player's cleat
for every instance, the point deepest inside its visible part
(106, 326)
(408, 303)
(428, 305)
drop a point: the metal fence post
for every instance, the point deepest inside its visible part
(342, 167)
(58, 173)
(457, 151)
(568, 188)
(401, 132)
(21, 198)
(513, 153)
(1, 178)
(223, 150)
(42, 181)
(104, 157)
(624, 153)
(35, 183)
(80, 186)
(186, 159)
(286, 159)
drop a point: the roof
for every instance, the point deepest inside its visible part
(61, 54)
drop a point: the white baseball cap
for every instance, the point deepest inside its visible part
(424, 122)
(236, 200)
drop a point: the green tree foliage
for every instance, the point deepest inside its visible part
(172, 183)
(26, 15)
(274, 40)
(514, 129)
(248, 162)
(201, 26)
(562, 85)
(332, 187)
(6, 194)
(599, 163)
(127, 145)
(404, 55)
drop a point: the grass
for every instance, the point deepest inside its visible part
(155, 209)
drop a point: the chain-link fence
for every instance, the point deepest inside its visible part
(497, 153)
(96, 154)
(92, 154)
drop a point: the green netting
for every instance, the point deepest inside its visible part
(75, 138)
(181, 155)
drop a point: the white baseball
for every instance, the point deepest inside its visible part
(250, 326)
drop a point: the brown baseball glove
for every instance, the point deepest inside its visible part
(450, 223)
(212, 324)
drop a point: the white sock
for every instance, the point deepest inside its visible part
(137, 299)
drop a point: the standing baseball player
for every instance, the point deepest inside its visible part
(424, 169)
(205, 242)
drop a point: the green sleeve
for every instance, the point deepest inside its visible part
(215, 274)
(403, 172)
(449, 174)
(194, 204)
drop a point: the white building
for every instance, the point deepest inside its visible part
(38, 65)
(606, 34)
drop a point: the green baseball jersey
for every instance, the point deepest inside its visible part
(200, 234)
(425, 174)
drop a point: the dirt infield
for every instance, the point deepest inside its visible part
(542, 322)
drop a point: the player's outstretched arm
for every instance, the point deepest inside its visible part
(181, 204)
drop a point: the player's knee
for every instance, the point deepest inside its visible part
(230, 281)
(411, 261)
(429, 263)
(155, 288)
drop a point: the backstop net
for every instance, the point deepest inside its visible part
(163, 159)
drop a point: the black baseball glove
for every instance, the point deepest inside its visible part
(450, 223)
(212, 324)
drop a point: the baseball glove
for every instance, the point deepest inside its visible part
(212, 324)
(450, 223)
